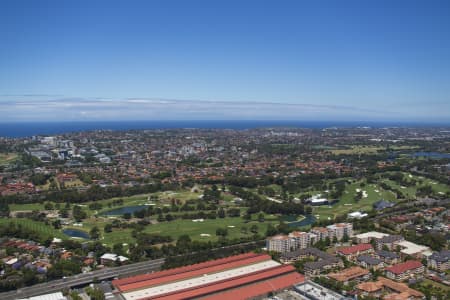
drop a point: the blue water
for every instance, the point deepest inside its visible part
(42, 128)
(76, 233)
(436, 155)
(123, 210)
(290, 220)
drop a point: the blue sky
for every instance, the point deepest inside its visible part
(153, 60)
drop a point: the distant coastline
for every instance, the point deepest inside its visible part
(24, 129)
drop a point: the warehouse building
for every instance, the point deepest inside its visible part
(243, 276)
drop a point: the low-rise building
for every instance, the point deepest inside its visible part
(405, 270)
(412, 249)
(345, 276)
(388, 290)
(389, 242)
(111, 258)
(369, 262)
(367, 237)
(354, 251)
(318, 267)
(440, 260)
(387, 257)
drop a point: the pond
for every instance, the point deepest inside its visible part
(291, 220)
(76, 233)
(436, 155)
(123, 210)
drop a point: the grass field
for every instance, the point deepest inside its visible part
(368, 149)
(348, 204)
(45, 231)
(28, 206)
(7, 158)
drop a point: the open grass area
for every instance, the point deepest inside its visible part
(28, 206)
(368, 149)
(195, 229)
(7, 158)
(46, 231)
(348, 204)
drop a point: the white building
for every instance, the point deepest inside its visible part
(365, 238)
(339, 230)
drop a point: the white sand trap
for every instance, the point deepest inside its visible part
(403, 187)
(358, 190)
(376, 191)
(348, 204)
(410, 176)
(205, 234)
(364, 194)
(441, 193)
(231, 226)
(198, 220)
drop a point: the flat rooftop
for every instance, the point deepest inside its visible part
(198, 281)
(313, 291)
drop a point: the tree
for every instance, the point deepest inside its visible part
(221, 232)
(108, 228)
(78, 213)
(4, 209)
(221, 213)
(247, 217)
(254, 229)
(94, 233)
(127, 216)
(261, 217)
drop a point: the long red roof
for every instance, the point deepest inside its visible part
(260, 288)
(225, 284)
(355, 249)
(221, 261)
(403, 267)
(193, 273)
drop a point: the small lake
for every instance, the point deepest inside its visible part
(123, 210)
(437, 155)
(75, 233)
(291, 220)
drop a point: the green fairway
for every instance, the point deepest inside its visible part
(45, 231)
(28, 206)
(352, 150)
(7, 158)
(348, 204)
(195, 229)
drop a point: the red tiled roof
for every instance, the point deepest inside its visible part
(144, 277)
(193, 273)
(260, 288)
(403, 267)
(189, 271)
(226, 284)
(355, 249)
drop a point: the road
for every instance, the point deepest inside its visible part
(83, 279)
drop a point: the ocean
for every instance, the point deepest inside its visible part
(25, 129)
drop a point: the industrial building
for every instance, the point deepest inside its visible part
(243, 276)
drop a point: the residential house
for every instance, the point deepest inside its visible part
(405, 270)
(354, 251)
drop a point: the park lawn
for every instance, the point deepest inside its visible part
(362, 149)
(408, 191)
(208, 226)
(45, 231)
(7, 158)
(27, 206)
(348, 204)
